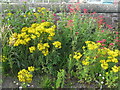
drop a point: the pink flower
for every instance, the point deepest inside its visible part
(103, 44)
(109, 26)
(56, 19)
(102, 31)
(71, 9)
(70, 21)
(117, 37)
(116, 40)
(93, 13)
(103, 40)
(111, 44)
(100, 41)
(100, 16)
(78, 3)
(102, 47)
(117, 32)
(54, 15)
(70, 5)
(77, 33)
(85, 10)
(43, 20)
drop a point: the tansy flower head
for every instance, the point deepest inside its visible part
(25, 76)
(77, 55)
(32, 48)
(57, 44)
(115, 69)
(31, 68)
(104, 65)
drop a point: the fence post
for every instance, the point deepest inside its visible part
(43, 1)
(48, 1)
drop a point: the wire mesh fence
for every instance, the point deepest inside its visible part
(61, 1)
(38, 1)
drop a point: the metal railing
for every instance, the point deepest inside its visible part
(35, 1)
(60, 1)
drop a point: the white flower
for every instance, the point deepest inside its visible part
(102, 82)
(28, 85)
(20, 87)
(32, 85)
(100, 75)
(103, 78)
(16, 83)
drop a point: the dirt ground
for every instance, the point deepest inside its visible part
(9, 82)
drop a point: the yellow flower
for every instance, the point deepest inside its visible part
(85, 62)
(92, 45)
(24, 29)
(24, 15)
(115, 69)
(33, 36)
(32, 49)
(29, 14)
(87, 42)
(115, 60)
(9, 14)
(43, 8)
(31, 68)
(13, 38)
(40, 46)
(112, 53)
(94, 58)
(49, 38)
(108, 60)
(36, 14)
(45, 52)
(102, 61)
(3, 59)
(104, 65)
(77, 55)
(17, 42)
(83, 48)
(106, 73)
(57, 44)
(46, 45)
(27, 39)
(25, 76)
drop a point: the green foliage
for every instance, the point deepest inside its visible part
(71, 31)
(60, 79)
(45, 82)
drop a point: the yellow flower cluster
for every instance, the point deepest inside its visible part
(9, 14)
(104, 64)
(115, 68)
(31, 68)
(77, 55)
(32, 48)
(17, 39)
(43, 48)
(92, 45)
(43, 31)
(27, 34)
(57, 44)
(86, 61)
(42, 10)
(3, 58)
(108, 54)
(25, 75)
(13, 39)
(110, 57)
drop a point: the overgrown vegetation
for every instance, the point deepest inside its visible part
(59, 47)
